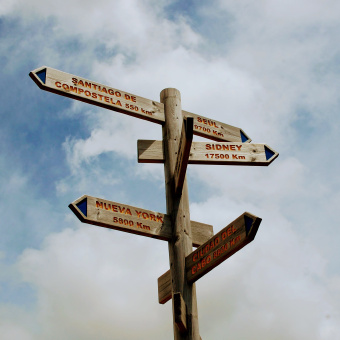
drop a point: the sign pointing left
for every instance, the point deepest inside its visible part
(75, 87)
(123, 217)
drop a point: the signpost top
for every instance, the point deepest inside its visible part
(105, 96)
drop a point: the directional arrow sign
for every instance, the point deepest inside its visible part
(123, 217)
(221, 246)
(88, 91)
(75, 87)
(216, 130)
(216, 250)
(151, 151)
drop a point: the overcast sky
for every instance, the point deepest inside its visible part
(268, 67)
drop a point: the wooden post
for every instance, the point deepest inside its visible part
(178, 208)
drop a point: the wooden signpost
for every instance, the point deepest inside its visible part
(230, 147)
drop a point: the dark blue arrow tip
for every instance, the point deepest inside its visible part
(42, 75)
(82, 206)
(244, 138)
(269, 153)
(248, 221)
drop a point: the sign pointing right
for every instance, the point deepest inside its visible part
(227, 242)
(151, 151)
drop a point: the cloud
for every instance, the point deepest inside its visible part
(273, 73)
(85, 279)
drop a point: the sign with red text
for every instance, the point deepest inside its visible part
(151, 151)
(105, 96)
(221, 246)
(123, 217)
(88, 91)
(215, 130)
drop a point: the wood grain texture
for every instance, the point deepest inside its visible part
(215, 130)
(180, 310)
(178, 208)
(212, 153)
(221, 246)
(127, 218)
(164, 288)
(105, 96)
(94, 93)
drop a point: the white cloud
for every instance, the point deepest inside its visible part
(93, 282)
(86, 279)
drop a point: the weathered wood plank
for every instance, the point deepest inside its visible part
(164, 288)
(221, 246)
(216, 153)
(215, 130)
(88, 91)
(180, 310)
(123, 217)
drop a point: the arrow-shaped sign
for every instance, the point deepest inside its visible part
(151, 151)
(88, 91)
(224, 244)
(123, 217)
(227, 242)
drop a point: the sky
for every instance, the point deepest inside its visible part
(268, 67)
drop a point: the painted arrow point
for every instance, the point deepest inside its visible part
(42, 75)
(269, 152)
(82, 206)
(39, 76)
